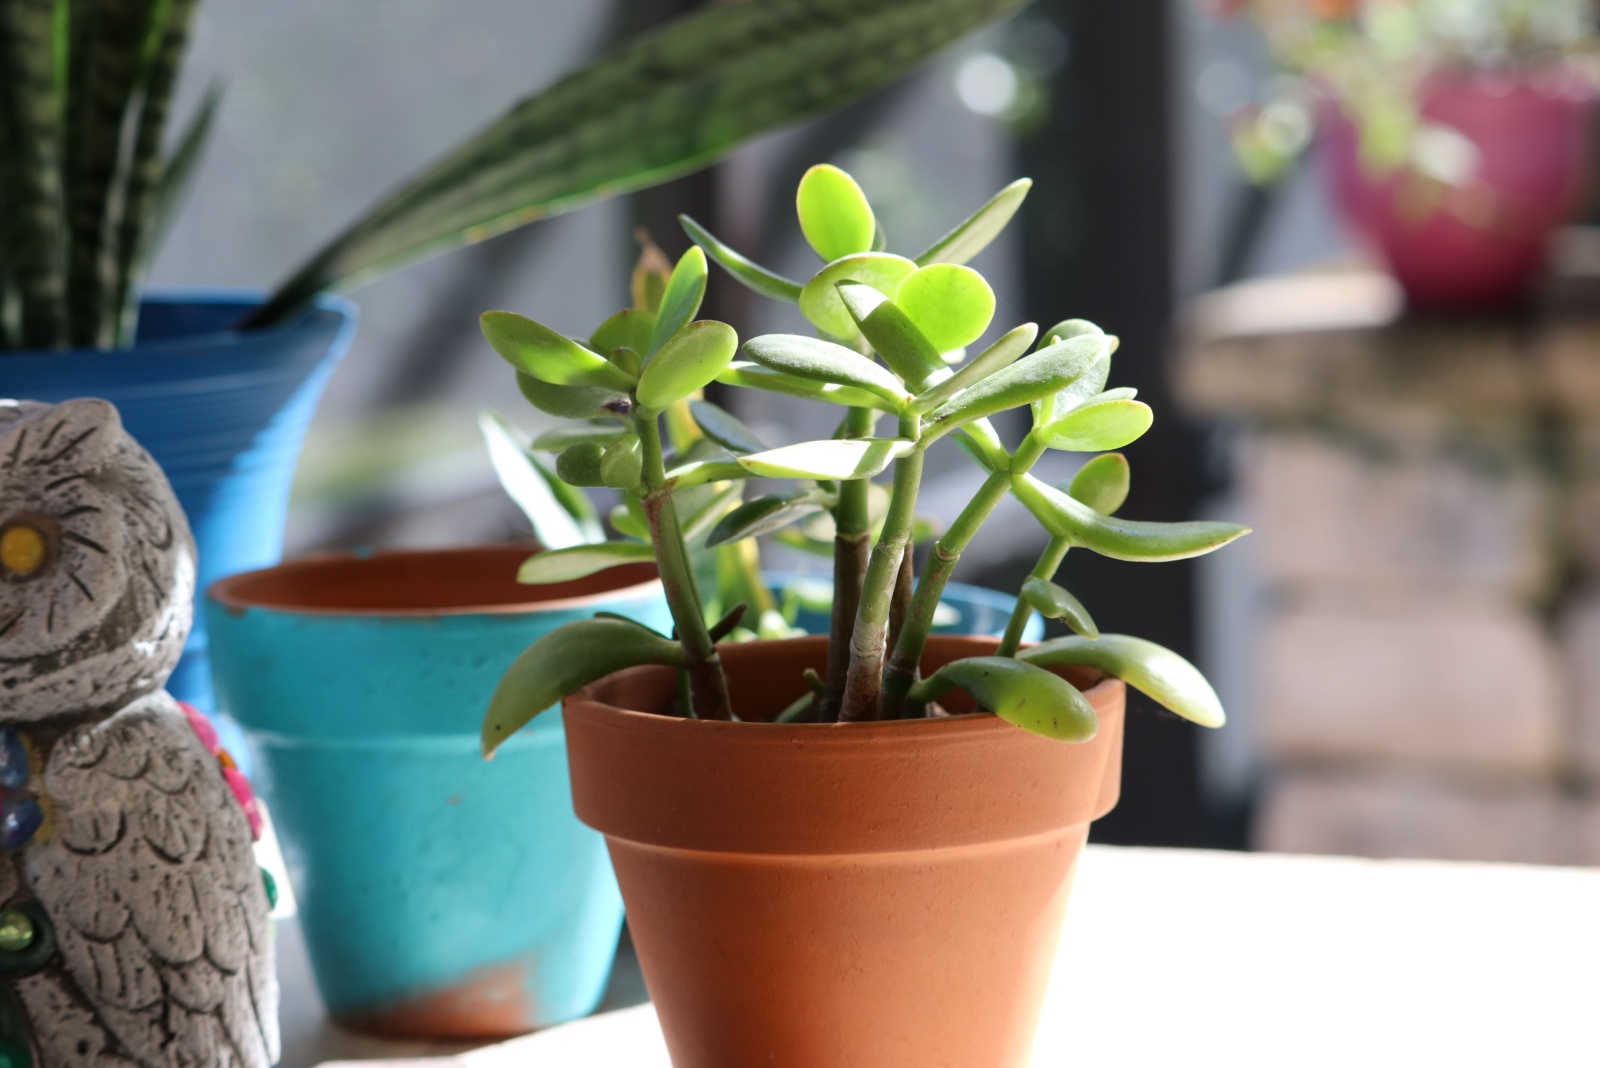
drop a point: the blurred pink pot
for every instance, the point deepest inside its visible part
(1482, 243)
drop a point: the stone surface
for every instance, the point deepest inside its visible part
(1580, 641)
(1392, 814)
(1329, 513)
(1466, 684)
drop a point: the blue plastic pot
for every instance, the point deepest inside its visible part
(977, 610)
(223, 413)
(441, 896)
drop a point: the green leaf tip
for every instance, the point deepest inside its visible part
(536, 350)
(691, 359)
(1019, 692)
(1157, 672)
(974, 233)
(834, 214)
(1120, 539)
(1056, 602)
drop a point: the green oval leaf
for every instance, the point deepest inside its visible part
(834, 213)
(579, 561)
(1042, 374)
(1055, 602)
(535, 349)
(1001, 354)
(952, 305)
(823, 361)
(579, 465)
(1099, 426)
(562, 437)
(751, 274)
(841, 459)
(563, 662)
(724, 428)
(1102, 483)
(629, 328)
(973, 235)
(622, 464)
(753, 376)
(1085, 388)
(819, 299)
(1120, 539)
(763, 515)
(567, 402)
(681, 302)
(892, 334)
(1158, 673)
(693, 356)
(1018, 692)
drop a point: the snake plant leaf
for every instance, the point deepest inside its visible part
(1102, 483)
(754, 376)
(558, 438)
(823, 361)
(1120, 539)
(892, 335)
(1018, 692)
(651, 108)
(834, 214)
(952, 305)
(981, 227)
(819, 298)
(692, 357)
(579, 465)
(724, 428)
(151, 212)
(629, 328)
(580, 561)
(1157, 672)
(841, 458)
(703, 515)
(1041, 374)
(681, 301)
(763, 515)
(622, 464)
(1056, 602)
(751, 274)
(1098, 426)
(1003, 353)
(568, 402)
(527, 484)
(537, 350)
(564, 661)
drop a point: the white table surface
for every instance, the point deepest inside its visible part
(1178, 957)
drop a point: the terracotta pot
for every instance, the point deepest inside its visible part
(1482, 244)
(849, 895)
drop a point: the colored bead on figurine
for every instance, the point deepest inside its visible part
(20, 817)
(16, 931)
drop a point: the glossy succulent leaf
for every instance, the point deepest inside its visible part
(1056, 602)
(554, 525)
(823, 361)
(648, 109)
(892, 335)
(579, 465)
(1098, 426)
(754, 376)
(628, 520)
(834, 214)
(1041, 374)
(996, 357)
(1068, 328)
(843, 458)
(629, 328)
(1120, 539)
(974, 233)
(1157, 672)
(693, 357)
(622, 464)
(747, 271)
(698, 472)
(1102, 483)
(566, 402)
(724, 428)
(764, 515)
(1087, 386)
(681, 301)
(952, 305)
(568, 434)
(566, 660)
(579, 561)
(979, 440)
(819, 298)
(1018, 692)
(535, 349)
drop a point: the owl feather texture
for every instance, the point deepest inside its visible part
(133, 917)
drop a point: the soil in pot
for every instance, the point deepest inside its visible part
(885, 894)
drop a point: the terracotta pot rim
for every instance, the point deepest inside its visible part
(258, 590)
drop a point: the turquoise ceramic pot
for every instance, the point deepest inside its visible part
(441, 896)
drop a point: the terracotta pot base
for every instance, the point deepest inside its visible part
(880, 894)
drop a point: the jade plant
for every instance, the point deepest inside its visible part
(891, 351)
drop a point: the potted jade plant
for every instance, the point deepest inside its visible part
(852, 849)
(1456, 137)
(221, 386)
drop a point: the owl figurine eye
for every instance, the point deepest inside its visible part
(27, 545)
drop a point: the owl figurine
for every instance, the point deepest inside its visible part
(133, 917)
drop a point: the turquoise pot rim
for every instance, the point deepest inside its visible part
(462, 582)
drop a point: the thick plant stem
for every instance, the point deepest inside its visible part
(1049, 563)
(707, 684)
(851, 544)
(869, 642)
